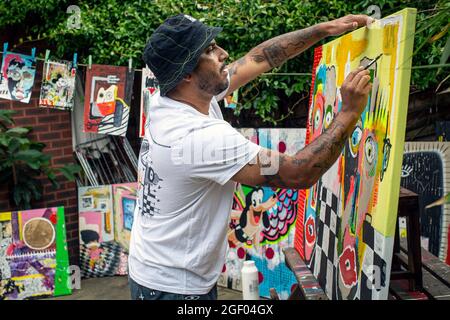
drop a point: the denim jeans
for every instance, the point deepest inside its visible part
(139, 292)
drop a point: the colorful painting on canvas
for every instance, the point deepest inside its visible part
(33, 254)
(424, 172)
(262, 221)
(148, 89)
(17, 76)
(100, 255)
(58, 85)
(348, 222)
(124, 204)
(107, 99)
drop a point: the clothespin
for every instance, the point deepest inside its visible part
(5, 47)
(47, 54)
(90, 62)
(74, 62)
(130, 64)
(33, 53)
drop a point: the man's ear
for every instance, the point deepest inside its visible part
(188, 78)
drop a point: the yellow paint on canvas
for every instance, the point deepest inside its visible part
(5, 216)
(393, 37)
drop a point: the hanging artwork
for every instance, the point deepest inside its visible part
(17, 75)
(148, 89)
(107, 99)
(424, 172)
(262, 221)
(58, 85)
(346, 231)
(33, 254)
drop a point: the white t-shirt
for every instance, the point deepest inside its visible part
(178, 240)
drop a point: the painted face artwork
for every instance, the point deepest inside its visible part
(348, 219)
(58, 85)
(262, 221)
(17, 77)
(423, 172)
(108, 95)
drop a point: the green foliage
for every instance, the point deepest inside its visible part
(22, 162)
(112, 31)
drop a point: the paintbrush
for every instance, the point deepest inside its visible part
(373, 61)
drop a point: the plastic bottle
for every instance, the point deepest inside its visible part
(250, 281)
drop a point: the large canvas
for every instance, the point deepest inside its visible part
(262, 221)
(17, 76)
(149, 87)
(100, 255)
(425, 172)
(347, 227)
(33, 254)
(107, 99)
(58, 85)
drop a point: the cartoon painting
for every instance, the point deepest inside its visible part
(148, 89)
(262, 221)
(58, 85)
(17, 76)
(424, 172)
(347, 227)
(107, 99)
(33, 254)
(231, 101)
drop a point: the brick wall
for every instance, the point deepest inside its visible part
(53, 128)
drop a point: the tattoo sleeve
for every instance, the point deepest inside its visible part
(279, 49)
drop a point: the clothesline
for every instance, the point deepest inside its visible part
(430, 66)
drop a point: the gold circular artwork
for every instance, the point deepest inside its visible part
(38, 233)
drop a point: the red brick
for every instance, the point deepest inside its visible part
(61, 143)
(50, 136)
(36, 112)
(40, 128)
(67, 134)
(49, 119)
(54, 152)
(65, 195)
(58, 126)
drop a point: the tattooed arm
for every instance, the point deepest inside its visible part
(302, 170)
(274, 52)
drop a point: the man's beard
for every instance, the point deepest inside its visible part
(211, 84)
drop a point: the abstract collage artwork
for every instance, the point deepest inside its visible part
(58, 85)
(108, 96)
(347, 225)
(34, 260)
(262, 221)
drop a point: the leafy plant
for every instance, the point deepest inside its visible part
(113, 31)
(23, 163)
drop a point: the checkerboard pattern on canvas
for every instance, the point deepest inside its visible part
(325, 260)
(107, 264)
(373, 267)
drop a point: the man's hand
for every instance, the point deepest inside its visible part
(348, 23)
(355, 91)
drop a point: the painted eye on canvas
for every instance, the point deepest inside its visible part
(354, 141)
(328, 116)
(370, 150)
(317, 119)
